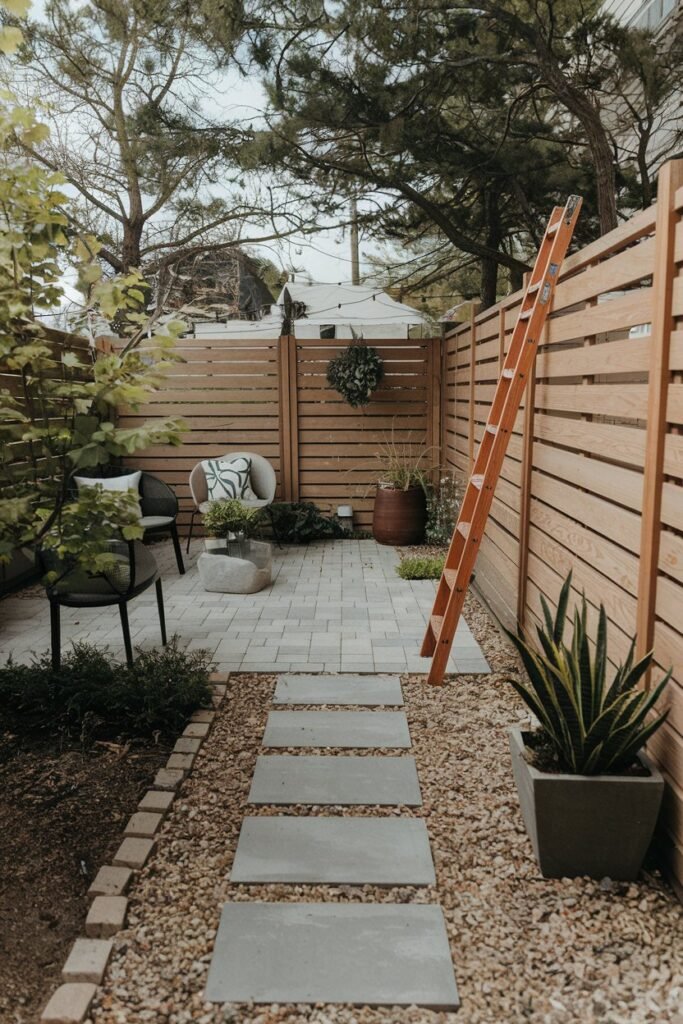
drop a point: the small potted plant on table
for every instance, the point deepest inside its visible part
(589, 796)
(244, 565)
(400, 512)
(228, 524)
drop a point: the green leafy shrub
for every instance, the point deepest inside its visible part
(592, 725)
(443, 502)
(421, 567)
(301, 521)
(93, 694)
(231, 516)
(356, 373)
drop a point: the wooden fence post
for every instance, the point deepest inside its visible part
(670, 179)
(473, 366)
(525, 497)
(289, 417)
(434, 385)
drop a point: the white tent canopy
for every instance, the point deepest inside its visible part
(355, 311)
(342, 311)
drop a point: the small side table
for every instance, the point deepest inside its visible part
(246, 570)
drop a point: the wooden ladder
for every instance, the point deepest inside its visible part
(476, 504)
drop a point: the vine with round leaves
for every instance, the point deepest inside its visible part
(356, 373)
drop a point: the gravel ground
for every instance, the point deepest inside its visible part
(524, 949)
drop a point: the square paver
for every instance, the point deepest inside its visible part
(339, 851)
(329, 780)
(367, 955)
(366, 690)
(368, 729)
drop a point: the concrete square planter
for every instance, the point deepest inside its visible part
(600, 826)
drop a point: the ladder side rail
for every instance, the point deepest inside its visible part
(478, 498)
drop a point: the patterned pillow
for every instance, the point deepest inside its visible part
(229, 479)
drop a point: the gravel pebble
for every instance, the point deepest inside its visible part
(525, 949)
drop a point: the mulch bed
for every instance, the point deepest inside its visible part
(62, 812)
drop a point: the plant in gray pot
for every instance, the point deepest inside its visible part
(589, 796)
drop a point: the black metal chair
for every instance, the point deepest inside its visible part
(158, 504)
(134, 570)
(159, 511)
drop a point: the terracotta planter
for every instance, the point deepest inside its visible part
(595, 825)
(400, 516)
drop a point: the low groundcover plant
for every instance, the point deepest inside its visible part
(591, 725)
(91, 693)
(421, 567)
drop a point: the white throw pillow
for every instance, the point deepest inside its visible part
(130, 482)
(230, 478)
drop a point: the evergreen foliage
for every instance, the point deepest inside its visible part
(94, 697)
(356, 374)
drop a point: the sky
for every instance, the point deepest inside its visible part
(325, 257)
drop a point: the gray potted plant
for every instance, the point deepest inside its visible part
(589, 796)
(229, 523)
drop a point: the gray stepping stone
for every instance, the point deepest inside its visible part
(346, 689)
(367, 955)
(299, 779)
(336, 729)
(341, 851)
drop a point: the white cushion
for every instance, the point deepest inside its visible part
(230, 478)
(130, 482)
(150, 521)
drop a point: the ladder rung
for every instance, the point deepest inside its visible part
(436, 622)
(525, 314)
(450, 576)
(509, 374)
(552, 228)
(491, 428)
(533, 288)
(464, 529)
(477, 481)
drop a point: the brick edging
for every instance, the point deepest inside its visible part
(88, 958)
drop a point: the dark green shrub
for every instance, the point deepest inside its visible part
(421, 567)
(301, 521)
(94, 695)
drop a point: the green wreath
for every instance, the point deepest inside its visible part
(355, 374)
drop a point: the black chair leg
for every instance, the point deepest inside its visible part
(189, 536)
(162, 616)
(56, 635)
(176, 548)
(123, 610)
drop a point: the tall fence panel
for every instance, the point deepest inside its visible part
(228, 392)
(592, 480)
(338, 445)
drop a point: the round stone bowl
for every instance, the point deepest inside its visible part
(221, 573)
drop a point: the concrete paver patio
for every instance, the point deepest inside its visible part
(333, 606)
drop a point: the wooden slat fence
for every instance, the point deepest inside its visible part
(271, 397)
(228, 392)
(592, 479)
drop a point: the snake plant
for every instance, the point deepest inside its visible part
(594, 725)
